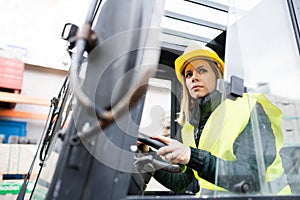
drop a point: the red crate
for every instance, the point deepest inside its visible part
(11, 73)
(11, 78)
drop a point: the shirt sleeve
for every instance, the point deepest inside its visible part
(175, 182)
(204, 163)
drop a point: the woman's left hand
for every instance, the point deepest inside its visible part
(175, 152)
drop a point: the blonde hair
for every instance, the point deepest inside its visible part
(187, 102)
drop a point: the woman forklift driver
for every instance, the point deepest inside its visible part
(216, 133)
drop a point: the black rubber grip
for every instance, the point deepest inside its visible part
(155, 143)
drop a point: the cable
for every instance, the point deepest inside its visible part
(22, 192)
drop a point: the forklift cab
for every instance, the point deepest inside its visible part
(91, 154)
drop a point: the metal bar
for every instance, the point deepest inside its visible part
(22, 114)
(169, 45)
(24, 99)
(295, 18)
(193, 20)
(210, 4)
(186, 35)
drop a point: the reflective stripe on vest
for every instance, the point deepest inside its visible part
(223, 121)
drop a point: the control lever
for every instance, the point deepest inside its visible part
(157, 144)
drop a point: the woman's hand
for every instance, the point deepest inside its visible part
(175, 151)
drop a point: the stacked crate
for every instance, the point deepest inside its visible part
(15, 162)
(11, 77)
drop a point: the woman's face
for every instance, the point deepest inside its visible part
(200, 78)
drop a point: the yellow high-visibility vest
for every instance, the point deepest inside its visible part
(223, 127)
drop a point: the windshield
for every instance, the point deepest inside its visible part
(261, 49)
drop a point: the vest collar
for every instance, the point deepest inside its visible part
(204, 106)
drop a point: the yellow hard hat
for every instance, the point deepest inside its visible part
(194, 50)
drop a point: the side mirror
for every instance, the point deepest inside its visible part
(233, 89)
(69, 31)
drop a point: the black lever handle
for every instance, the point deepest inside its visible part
(155, 143)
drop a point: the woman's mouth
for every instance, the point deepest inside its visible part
(196, 87)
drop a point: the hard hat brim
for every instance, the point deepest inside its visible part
(180, 62)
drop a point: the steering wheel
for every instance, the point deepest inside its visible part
(158, 164)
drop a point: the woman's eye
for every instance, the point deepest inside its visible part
(201, 70)
(189, 74)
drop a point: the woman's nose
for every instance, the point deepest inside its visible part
(195, 77)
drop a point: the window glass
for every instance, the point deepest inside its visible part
(268, 61)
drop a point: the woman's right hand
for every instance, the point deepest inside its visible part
(175, 151)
